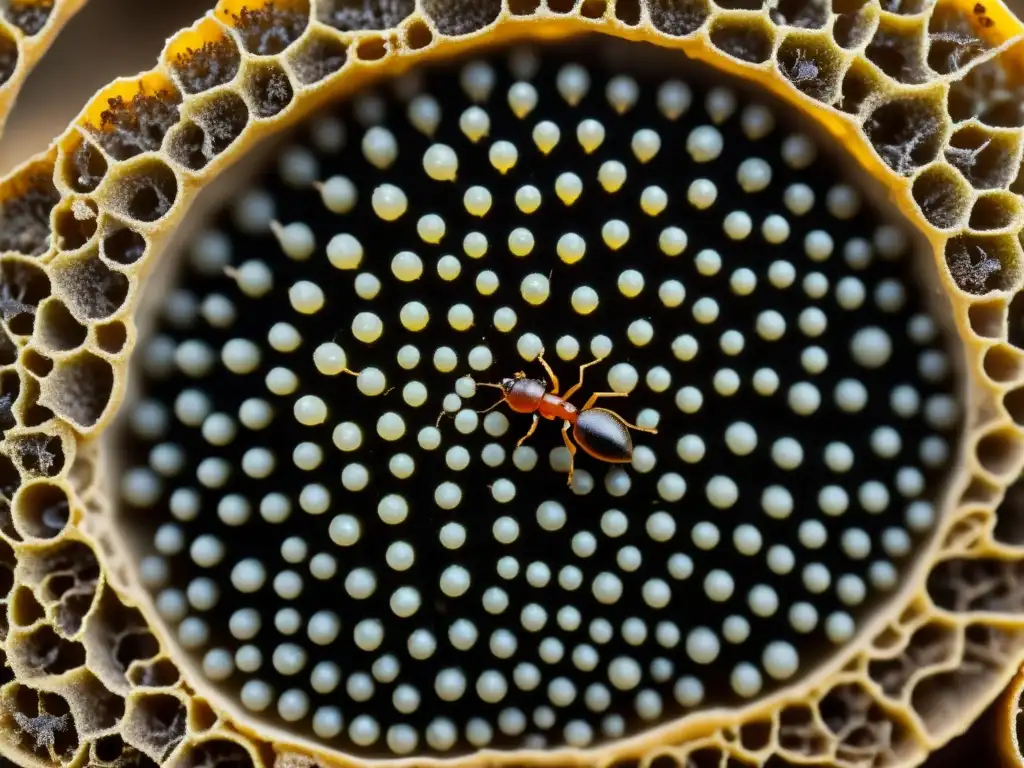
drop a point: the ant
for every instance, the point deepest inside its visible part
(600, 432)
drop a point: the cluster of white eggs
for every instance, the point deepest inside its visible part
(307, 383)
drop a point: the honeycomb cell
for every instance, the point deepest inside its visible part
(745, 40)
(146, 193)
(214, 63)
(269, 29)
(30, 16)
(943, 196)
(898, 49)
(90, 288)
(811, 64)
(804, 14)
(454, 20)
(352, 16)
(320, 55)
(989, 92)
(953, 38)
(155, 723)
(854, 28)
(223, 117)
(41, 509)
(995, 210)
(906, 132)
(679, 18)
(129, 127)
(8, 55)
(25, 212)
(982, 156)
(84, 166)
(79, 389)
(122, 245)
(23, 284)
(980, 264)
(269, 90)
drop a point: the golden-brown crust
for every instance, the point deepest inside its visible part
(96, 211)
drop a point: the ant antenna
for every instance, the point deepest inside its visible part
(494, 386)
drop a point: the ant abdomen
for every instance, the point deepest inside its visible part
(604, 435)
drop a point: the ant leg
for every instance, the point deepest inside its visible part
(572, 450)
(590, 402)
(551, 374)
(530, 431)
(575, 387)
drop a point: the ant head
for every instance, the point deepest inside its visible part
(507, 383)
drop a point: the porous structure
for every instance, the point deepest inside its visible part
(793, 246)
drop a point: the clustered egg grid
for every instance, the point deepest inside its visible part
(947, 145)
(441, 607)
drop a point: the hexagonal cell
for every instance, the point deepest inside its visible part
(74, 224)
(111, 752)
(36, 453)
(214, 63)
(854, 26)
(23, 284)
(898, 49)
(25, 209)
(679, 18)
(749, 40)
(357, 15)
(155, 722)
(865, 731)
(991, 91)
(269, 90)
(222, 117)
(986, 158)
(803, 14)
(111, 337)
(267, 28)
(1004, 364)
(416, 35)
(933, 645)
(41, 509)
(145, 193)
(118, 636)
(84, 166)
(861, 85)
(30, 16)
(977, 584)
(811, 64)
(220, 752)
(8, 55)
(129, 127)
(460, 18)
(39, 723)
(43, 652)
(907, 132)
(153, 673)
(943, 196)
(90, 288)
(321, 54)
(56, 328)
(995, 210)
(980, 263)
(954, 41)
(121, 244)
(94, 707)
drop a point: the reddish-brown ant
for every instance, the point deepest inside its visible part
(600, 432)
